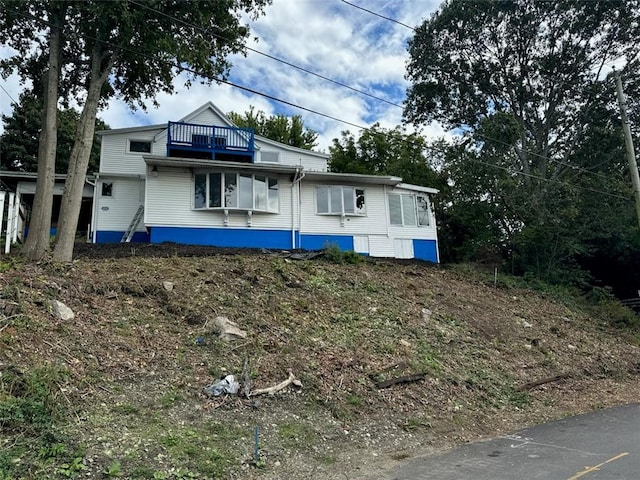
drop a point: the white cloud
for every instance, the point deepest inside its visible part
(332, 39)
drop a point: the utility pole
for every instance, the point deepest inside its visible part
(631, 156)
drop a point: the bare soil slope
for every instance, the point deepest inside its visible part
(127, 373)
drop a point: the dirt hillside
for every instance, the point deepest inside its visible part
(117, 391)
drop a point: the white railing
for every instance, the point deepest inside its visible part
(13, 214)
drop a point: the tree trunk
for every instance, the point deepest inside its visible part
(37, 243)
(79, 161)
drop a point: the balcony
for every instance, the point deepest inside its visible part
(190, 140)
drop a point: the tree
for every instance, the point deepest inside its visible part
(20, 32)
(19, 142)
(380, 151)
(524, 82)
(132, 48)
(283, 129)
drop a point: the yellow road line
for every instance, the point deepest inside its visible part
(597, 467)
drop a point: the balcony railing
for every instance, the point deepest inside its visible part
(208, 141)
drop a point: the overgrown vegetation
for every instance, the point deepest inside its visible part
(117, 392)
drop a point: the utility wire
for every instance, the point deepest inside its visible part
(379, 15)
(8, 94)
(302, 69)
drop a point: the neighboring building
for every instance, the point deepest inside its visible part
(204, 181)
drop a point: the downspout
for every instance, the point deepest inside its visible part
(296, 181)
(94, 219)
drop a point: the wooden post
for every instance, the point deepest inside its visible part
(2, 195)
(10, 214)
(631, 156)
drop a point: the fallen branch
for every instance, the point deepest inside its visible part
(387, 369)
(537, 383)
(271, 390)
(406, 379)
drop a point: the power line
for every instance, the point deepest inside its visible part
(8, 94)
(302, 69)
(379, 15)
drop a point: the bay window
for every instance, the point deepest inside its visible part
(236, 191)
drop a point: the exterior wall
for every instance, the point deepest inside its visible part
(169, 202)
(114, 214)
(115, 156)
(295, 157)
(206, 117)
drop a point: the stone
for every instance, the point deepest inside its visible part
(227, 330)
(61, 311)
(168, 286)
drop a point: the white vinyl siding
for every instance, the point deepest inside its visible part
(170, 199)
(116, 158)
(116, 212)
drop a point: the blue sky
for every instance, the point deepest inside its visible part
(328, 37)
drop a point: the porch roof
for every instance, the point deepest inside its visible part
(157, 161)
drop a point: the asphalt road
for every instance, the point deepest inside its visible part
(601, 445)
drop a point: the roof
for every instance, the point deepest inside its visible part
(353, 177)
(198, 163)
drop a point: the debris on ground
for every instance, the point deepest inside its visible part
(228, 385)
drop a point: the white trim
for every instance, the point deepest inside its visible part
(417, 188)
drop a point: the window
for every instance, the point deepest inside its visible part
(270, 157)
(409, 210)
(140, 146)
(107, 189)
(238, 191)
(340, 200)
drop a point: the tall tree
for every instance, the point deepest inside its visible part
(19, 141)
(134, 48)
(23, 33)
(523, 81)
(283, 129)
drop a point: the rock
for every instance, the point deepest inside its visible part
(404, 342)
(227, 330)
(168, 286)
(426, 314)
(571, 347)
(61, 311)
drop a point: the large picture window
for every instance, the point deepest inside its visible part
(340, 200)
(409, 210)
(236, 191)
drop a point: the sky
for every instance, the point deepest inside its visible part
(330, 38)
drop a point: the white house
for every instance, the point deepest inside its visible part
(204, 181)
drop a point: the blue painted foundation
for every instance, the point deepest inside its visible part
(254, 238)
(224, 237)
(111, 236)
(425, 250)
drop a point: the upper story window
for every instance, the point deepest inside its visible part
(409, 210)
(270, 157)
(236, 191)
(139, 146)
(340, 200)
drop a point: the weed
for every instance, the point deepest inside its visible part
(73, 468)
(355, 400)
(125, 409)
(333, 253)
(114, 469)
(417, 423)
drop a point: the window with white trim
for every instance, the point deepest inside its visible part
(340, 200)
(236, 191)
(409, 210)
